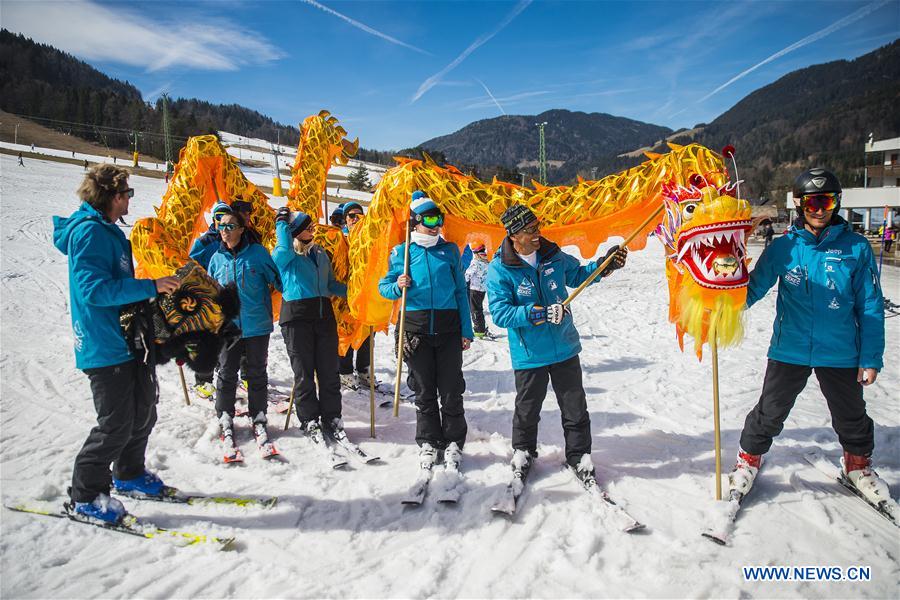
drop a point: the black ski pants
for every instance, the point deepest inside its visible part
(256, 349)
(783, 383)
(435, 366)
(476, 307)
(125, 397)
(531, 389)
(312, 347)
(362, 360)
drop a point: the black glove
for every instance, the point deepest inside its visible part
(283, 214)
(617, 262)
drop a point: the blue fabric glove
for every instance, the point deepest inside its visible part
(537, 315)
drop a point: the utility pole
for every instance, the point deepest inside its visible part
(135, 134)
(16, 136)
(168, 140)
(542, 155)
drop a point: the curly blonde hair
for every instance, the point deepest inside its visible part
(101, 184)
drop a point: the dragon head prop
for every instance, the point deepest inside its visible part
(704, 230)
(191, 324)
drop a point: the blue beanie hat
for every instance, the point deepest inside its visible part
(299, 222)
(422, 204)
(219, 209)
(339, 211)
(351, 205)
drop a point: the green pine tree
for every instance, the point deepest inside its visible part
(359, 179)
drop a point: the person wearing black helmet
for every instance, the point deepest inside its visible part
(829, 318)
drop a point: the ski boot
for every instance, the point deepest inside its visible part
(362, 380)
(259, 429)
(348, 381)
(858, 471)
(103, 509)
(428, 456)
(522, 460)
(452, 457)
(584, 471)
(147, 484)
(205, 390)
(741, 478)
(334, 427)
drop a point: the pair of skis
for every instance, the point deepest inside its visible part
(720, 532)
(132, 525)
(326, 443)
(508, 503)
(447, 482)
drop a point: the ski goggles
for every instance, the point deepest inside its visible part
(432, 221)
(817, 202)
(228, 226)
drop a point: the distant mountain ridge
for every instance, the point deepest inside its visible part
(820, 114)
(576, 141)
(70, 95)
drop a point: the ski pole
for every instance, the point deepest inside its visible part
(187, 399)
(713, 347)
(287, 421)
(371, 381)
(609, 259)
(402, 326)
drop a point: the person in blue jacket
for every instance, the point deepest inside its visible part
(526, 285)
(438, 328)
(352, 214)
(829, 318)
(248, 266)
(308, 323)
(207, 244)
(101, 282)
(202, 251)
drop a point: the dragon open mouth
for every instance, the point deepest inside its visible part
(714, 254)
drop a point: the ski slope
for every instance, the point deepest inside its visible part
(345, 534)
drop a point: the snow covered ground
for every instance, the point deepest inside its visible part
(345, 534)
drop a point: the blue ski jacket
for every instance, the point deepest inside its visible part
(251, 269)
(101, 281)
(514, 287)
(437, 301)
(205, 246)
(306, 276)
(830, 308)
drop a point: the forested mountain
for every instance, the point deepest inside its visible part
(62, 92)
(575, 141)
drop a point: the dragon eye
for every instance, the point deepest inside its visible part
(687, 210)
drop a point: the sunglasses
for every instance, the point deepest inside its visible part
(531, 230)
(353, 216)
(816, 202)
(128, 192)
(229, 226)
(432, 221)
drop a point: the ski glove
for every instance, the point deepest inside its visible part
(556, 313)
(537, 315)
(283, 214)
(617, 263)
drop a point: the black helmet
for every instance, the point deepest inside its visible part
(816, 181)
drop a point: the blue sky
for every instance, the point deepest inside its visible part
(398, 73)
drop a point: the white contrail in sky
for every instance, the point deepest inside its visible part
(434, 79)
(364, 27)
(491, 95)
(849, 19)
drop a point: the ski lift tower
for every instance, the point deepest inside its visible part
(170, 167)
(543, 154)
